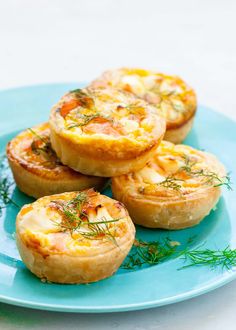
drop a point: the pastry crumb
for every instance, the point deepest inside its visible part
(174, 243)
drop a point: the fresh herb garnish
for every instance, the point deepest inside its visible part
(211, 178)
(99, 232)
(42, 145)
(75, 219)
(41, 138)
(166, 97)
(85, 99)
(155, 252)
(149, 253)
(84, 119)
(6, 186)
(226, 258)
(71, 212)
(170, 182)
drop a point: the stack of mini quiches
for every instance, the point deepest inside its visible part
(112, 129)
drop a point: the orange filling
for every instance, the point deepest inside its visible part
(68, 106)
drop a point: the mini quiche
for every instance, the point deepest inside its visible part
(104, 132)
(38, 171)
(74, 237)
(176, 189)
(172, 97)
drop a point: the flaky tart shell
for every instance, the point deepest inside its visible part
(171, 96)
(38, 171)
(178, 134)
(68, 257)
(155, 200)
(116, 139)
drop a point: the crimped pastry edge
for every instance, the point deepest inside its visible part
(73, 270)
(178, 134)
(36, 182)
(68, 154)
(67, 267)
(38, 186)
(175, 214)
(169, 213)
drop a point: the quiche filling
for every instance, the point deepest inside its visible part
(106, 112)
(75, 223)
(33, 147)
(177, 170)
(172, 97)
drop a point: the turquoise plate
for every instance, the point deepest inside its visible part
(126, 290)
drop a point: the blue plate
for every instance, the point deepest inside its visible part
(126, 290)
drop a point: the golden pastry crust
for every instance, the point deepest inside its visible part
(38, 171)
(175, 190)
(76, 237)
(172, 97)
(177, 135)
(112, 131)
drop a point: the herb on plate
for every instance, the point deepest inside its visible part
(149, 253)
(6, 185)
(155, 252)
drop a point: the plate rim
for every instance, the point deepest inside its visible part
(122, 308)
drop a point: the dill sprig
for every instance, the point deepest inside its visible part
(72, 212)
(100, 232)
(166, 97)
(155, 252)
(74, 219)
(5, 193)
(85, 99)
(84, 119)
(226, 258)
(78, 200)
(149, 253)
(45, 148)
(42, 138)
(170, 182)
(6, 185)
(211, 178)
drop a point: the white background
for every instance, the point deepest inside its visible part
(68, 40)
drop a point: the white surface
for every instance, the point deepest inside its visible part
(65, 40)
